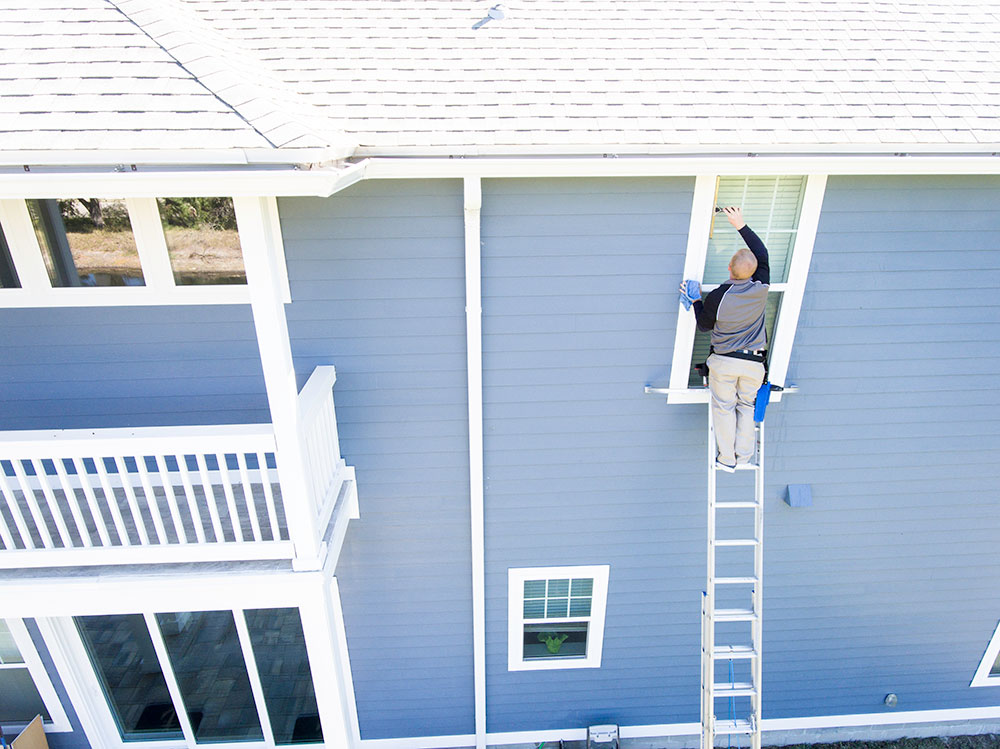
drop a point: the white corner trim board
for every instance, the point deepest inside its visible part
(693, 729)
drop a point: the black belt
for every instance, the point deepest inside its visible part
(757, 356)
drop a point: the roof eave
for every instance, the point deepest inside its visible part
(180, 157)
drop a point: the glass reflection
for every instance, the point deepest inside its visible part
(207, 660)
(129, 672)
(202, 240)
(279, 647)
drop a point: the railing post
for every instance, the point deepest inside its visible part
(257, 235)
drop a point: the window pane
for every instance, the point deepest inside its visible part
(995, 671)
(8, 275)
(202, 240)
(555, 640)
(279, 647)
(534, 589)
(703, 340)
(207, 659)
(558, 588)
(8, 648)
(127, 667)
(579, 607)
(19, 699)
(86, 242)
(557, 607)
(771, 207)
(534, 609)
(583, 587)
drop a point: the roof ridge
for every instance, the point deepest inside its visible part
(234, 75)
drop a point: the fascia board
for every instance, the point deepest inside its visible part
(154, 182)
(178, 157)
(671, 166)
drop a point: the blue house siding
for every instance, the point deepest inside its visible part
(89, 367)
(883, 585)
(579, 300)
(378, 289)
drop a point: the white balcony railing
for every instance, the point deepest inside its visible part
(166, 494)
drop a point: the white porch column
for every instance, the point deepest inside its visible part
(257, 237)
(326, 643)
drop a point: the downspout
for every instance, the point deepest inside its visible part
(474, 349)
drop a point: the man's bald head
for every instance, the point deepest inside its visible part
(742, 265)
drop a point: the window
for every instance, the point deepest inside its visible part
(202, 240)
(25, 688)
(86, 242)
(556, 617)
(8, 276)
(988, 673)
(221, 676)
(784, 212)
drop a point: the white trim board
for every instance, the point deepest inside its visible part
(692, 729)
(982, 676)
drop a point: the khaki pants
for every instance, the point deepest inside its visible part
(734, 384)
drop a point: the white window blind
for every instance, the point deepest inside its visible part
(771, 207)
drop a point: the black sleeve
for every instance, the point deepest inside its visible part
(705, 312)
(763, 272)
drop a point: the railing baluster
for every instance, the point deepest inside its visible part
(95, 509)
(272, 510)
(241, 462)
(112, 499)
(227, 487)
(5, 535)
(213, 509)
(50, 498)
(133, 503)
(151, 502)
(74, 505)
(192, 498)
(32, 500)
(15, 510)
(313, 462)
(168, 492)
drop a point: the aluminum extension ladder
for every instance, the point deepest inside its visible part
(731, 602)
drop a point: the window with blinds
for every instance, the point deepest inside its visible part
(556, 617)
(771, 207)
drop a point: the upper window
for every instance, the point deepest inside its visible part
(25, 689)
(86, 242)
(556, 617)
(202, 240)
(988, 673)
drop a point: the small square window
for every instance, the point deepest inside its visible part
(988, 672)
(86, 242)
(556, 617)
(202, 240)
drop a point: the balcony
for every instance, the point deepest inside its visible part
(176, 494)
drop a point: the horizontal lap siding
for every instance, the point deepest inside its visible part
(579, 302)
(378, 289)
(885, 583)
(91, 367)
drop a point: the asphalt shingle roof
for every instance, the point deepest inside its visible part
(553, 76)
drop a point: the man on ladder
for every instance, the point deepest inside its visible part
(734, 313)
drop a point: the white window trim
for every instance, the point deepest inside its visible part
(59, 722)
(515, 616)
(37, 291)
(982, 677)
(702, 207)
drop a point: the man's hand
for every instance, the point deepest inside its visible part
(735, 216)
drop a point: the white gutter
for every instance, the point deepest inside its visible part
(149, 182)
(668, 166)
(176, 156)
(474, 352)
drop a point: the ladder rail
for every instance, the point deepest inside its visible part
(711, 691)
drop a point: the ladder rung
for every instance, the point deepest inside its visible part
(735, 505)
(737, 689)
(733, 726)
(736, 542)
(735, 580)
(734, 615)
(746, 466)
(734, 651)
